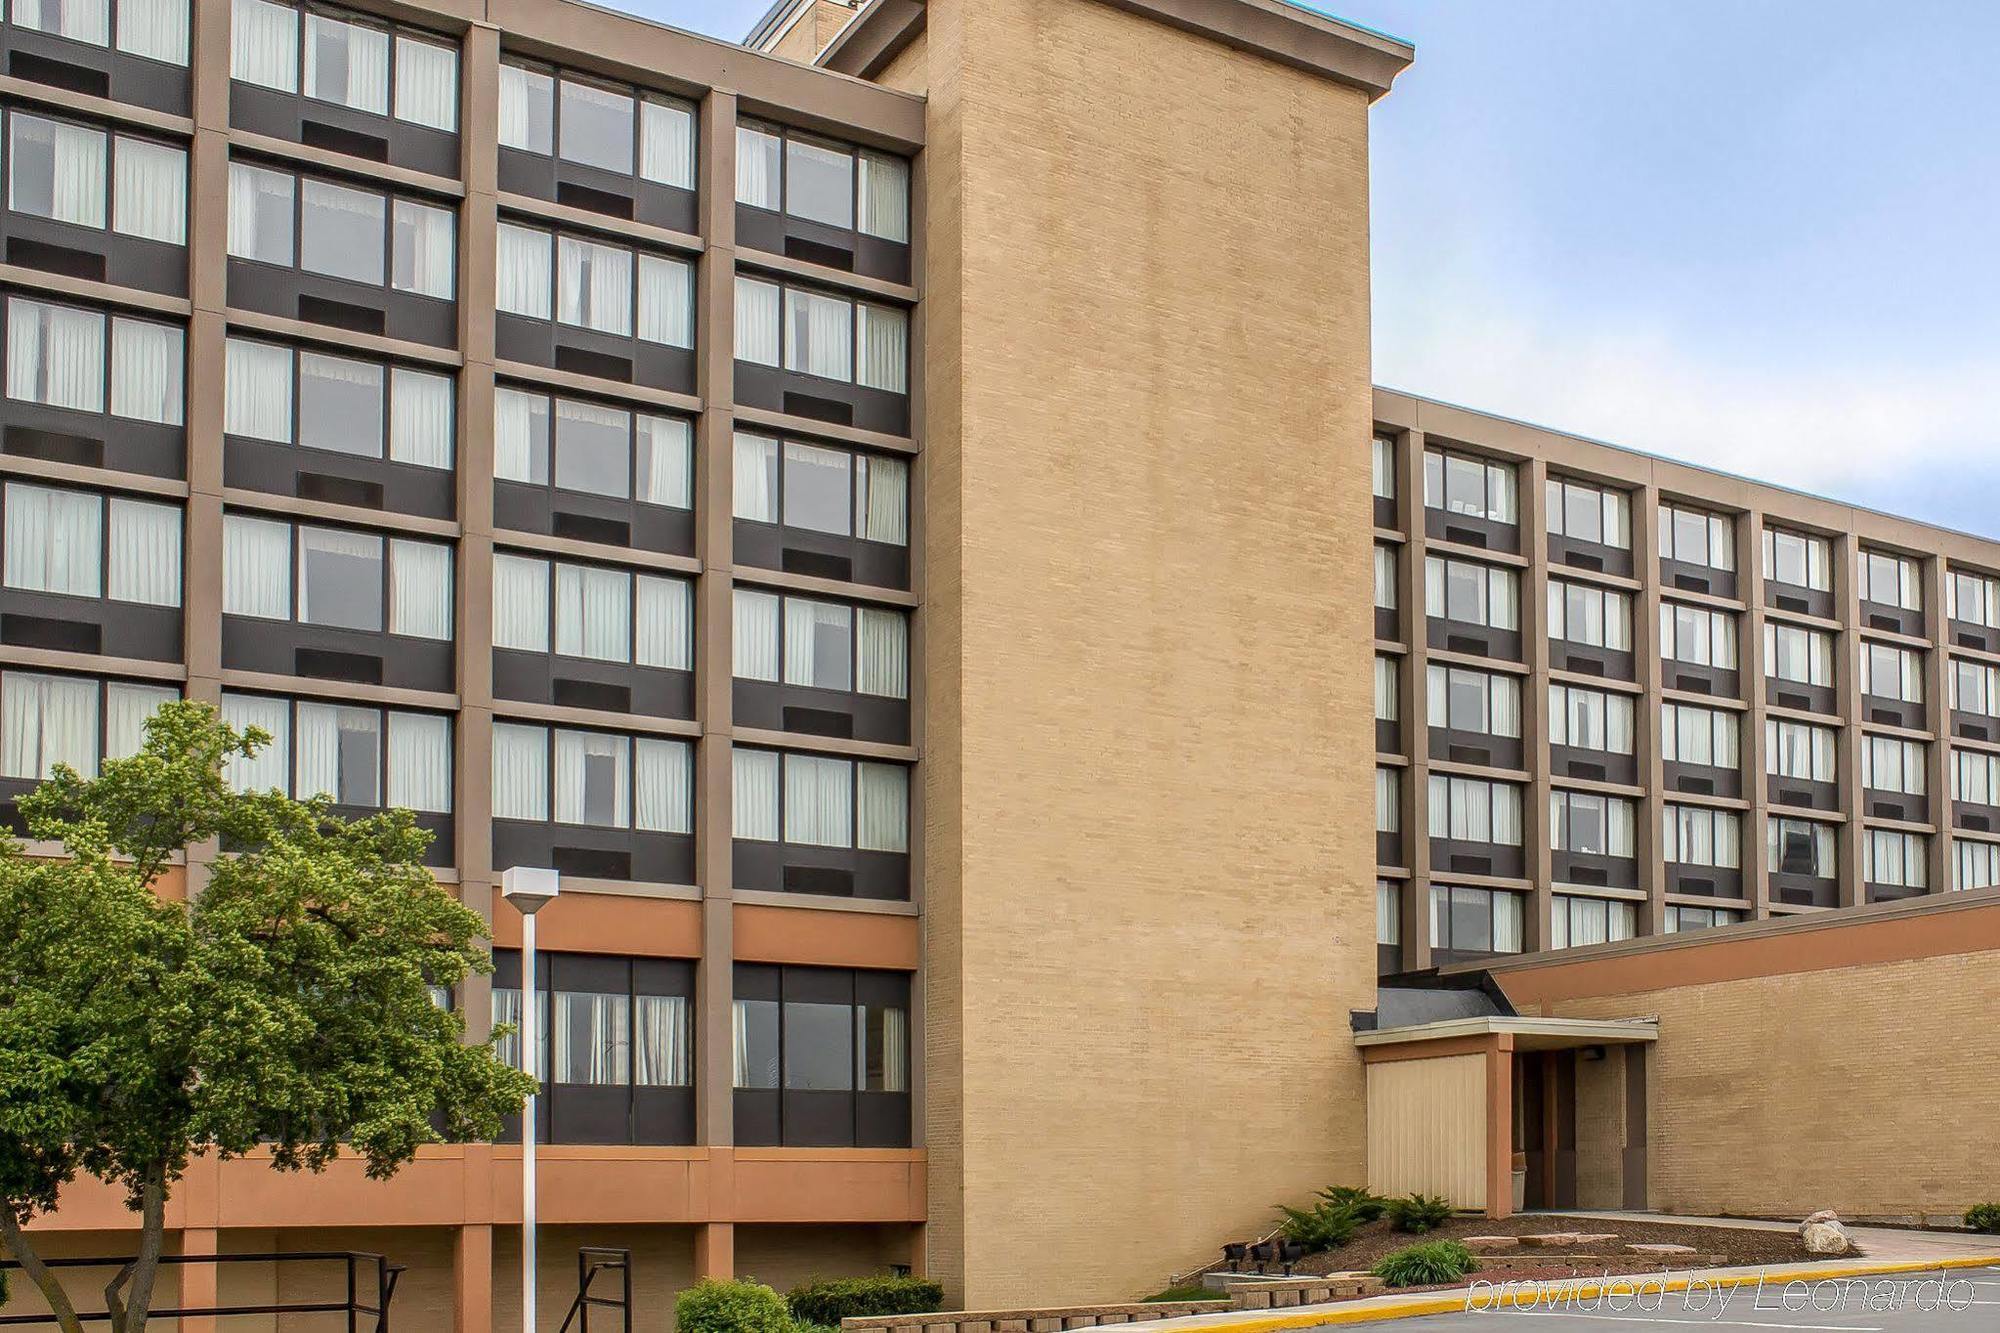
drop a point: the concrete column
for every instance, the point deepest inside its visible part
(1534, 516)
(1646, 661)
(1416, 706)
(1937, 718)
(199, 1285)
(1847, 687)
(715, 1250)
(1750, 670)
(1500, 1126)
(472, 1279)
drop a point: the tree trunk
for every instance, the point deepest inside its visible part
(38, 1273)
(137, 1277)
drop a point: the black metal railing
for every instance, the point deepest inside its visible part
(590, 1261)
(355, 1307)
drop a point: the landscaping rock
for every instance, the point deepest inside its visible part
(1823, 1215)
(1591, 1238)
(1661, 1249)
(1550, 1240)
(1826, 1238)
(1487, 1244)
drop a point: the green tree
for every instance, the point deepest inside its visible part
(287, 1010)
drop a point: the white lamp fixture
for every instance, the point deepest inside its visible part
(529, 889)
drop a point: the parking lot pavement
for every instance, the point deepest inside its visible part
(1960, 1300)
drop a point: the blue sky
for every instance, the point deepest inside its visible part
(1761, 236)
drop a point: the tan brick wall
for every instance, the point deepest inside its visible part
(806, 38)
(1600, 1130)
(1149, 749)
(785, 1256)
(1866, 1089)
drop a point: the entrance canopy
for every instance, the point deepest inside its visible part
(1529, 1034)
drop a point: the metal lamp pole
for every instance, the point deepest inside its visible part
(529, 889)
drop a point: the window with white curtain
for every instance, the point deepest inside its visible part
(593, 285)
(1890, 672)
(608, 127)
(1890, 580)
(1798, 558)
(854, 189)
(592, 611)
(1696, 835)
(1475, 810)
(1472, 593)
(1697, 538)
(822, 334)
(822, 489)
(47, 720)
(57, 355)
(336, 56)
(344, 404)
(1895, 859)
(1798, 655)
(1799, 847)
(1388, 912)
(1799, 750)
(1975, 865)
(1975, 687)
(1975, 777)
(1587, 719)
(1487, 703)
(1693, 734)
(81, 544)
(1388, 800)
(1466, 484)
(1469, 920)
(592, 778)
(1973, 598)
(1585, 512)
(1586, 614)
(354, 755)
(1385, 577)
(576, 445)
(1576, 921)
(1388, 694)
(1591, 824)
(342, 231)
(821, 645)
(1383, 467)
(1891, 764)
(820, 801)
(71, 172)
(342, 578)
(1697, 636)
(155, 29)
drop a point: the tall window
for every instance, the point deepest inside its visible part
(1588, 719)
(1584, 613)
(1591, 825)
(1799, 847)
(1891, 580)
(636, 1030)
(1801, 656)
(1475, 810)
(821, 801)
(854, 189)
(589, 447)
(334, 56)
(1975, 777)
(342, 231)
(1691, 734)
(821, 645)
(71, 172)
(1697, 636)
(1797, 558)
(1385, 577)
(1384, 467)
(592, 611)
(1894, 859)
(1694, 835)
(1575, 921)
(47, 720)
(1465, 484)
(819, 333)
(1975, 688)
(155, 29)
(588, 284)
(341, 404)
(1388, 912)
(87, 361)
(342, 578)
(592, 779)
(609, 127)
(1388, 800)
(1471, 593)
(356, 756)
(1465, 699)
(1975, 865)
(1889, 672)
(1889, 764)
(1469, 920)
(1798, 750)
(1696, 538)
(1588, 513)
(1974, 598)
(822, 489)
(80, 544)
(1388, 691)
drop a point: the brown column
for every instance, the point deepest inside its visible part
(1646, 660)
(472, 1279)
(1500, 1126)
(1937, 715)
(198, 1283)
(1416, 706)
(1847, 684)
(1536, 843)
(1750, 668)
(715, 1250)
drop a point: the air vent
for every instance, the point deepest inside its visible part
(55, 446)
(1583, 768)
(69, 636)
(1464, 536)
(591, 862)
(1583, 560)
(1970, 640)
(571, 693)
(819, 722)
(1582, 665)
(1690, 583)
(1469, 754)
(1692, 884)
(1799, 897)
(1879, 621)
(1791, 699)
(818, 564)
(595, 201)
(1588, 875)
(1786, 602)
(319, 134)
(1977, 823)
(1471, 865)
(818, 408)
(1465, 643)
(326, 664)
(59, 73)
(1695, 786)
(819, 879)
(819, 252)
(590, 528)
(337, 490)
(1693, 684)
(63, 259)
(1886, 809)
(1888, 717)
(1975, 731)
(1795, 795)
(341, 314)
(583, 361)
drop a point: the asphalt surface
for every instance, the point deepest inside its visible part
(1959, 1300)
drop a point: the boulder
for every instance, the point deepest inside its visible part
(1550, 1240)
(1823, 1215)
(1826, 1238)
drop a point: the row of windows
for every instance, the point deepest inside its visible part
(151, 29)
(342, 231)
(610, 127)
(75, 173)
(588, 284)
(336, 58)
(1485, 921)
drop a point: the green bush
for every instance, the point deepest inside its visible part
(1984, 1217)
(830, 1300)
(1324, 1226)
(1366, 1207)
(1419, 1212)
(742, 1306)
(1185, 1291)
(1426, 1265)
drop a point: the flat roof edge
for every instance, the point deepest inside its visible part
(1609, 1030)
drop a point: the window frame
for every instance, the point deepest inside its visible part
(853, 764)
(855, 154)
(386, 537)
(389, 198)
(551, 401)
(552, 609)
(634, 310)
(640, 96)
(105, 535)
(383, 714)
(103, 686)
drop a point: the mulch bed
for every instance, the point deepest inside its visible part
(1739, 1246)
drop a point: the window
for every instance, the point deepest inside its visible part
(1798, 750)
(1700, 918)
(609, 615)
(1975, 865)
(1798, 559)
(58, 356)
(1388, 912)
(1975, 598)
(1697, 636)
(342, 578)
(1588, 719)
(820, 801)
(1800, 656)
(588, 284)
(1475, 810)
(1583, 613)
(1464, 484)
(1586, 513)
(1591, 825)
(1695, 538)
(1975, 688)
(1388, 693)
(88, 177)
(822, 489)
(337, 403)
(1799, 847)
(364, 65)
(854, 189)
(1889, 672)
(340, 231)
(821, 645)
(1472, 593)
(1385, 577)
(83, 545)
(1694, 835)
(1464, 699)
(613, 128)
(1975, 777)
(1468, 920)
(576, 445)
(155, 29)
(48, 720)
(818, 333)
(635, 1031)
(1691, 734)
(1891, 580)
(1892, 765)
(592, 778)
(1895, 860)
(1385, 467)
(1388, 801)
(356, 756)
(1575, 921)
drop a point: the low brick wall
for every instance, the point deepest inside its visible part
(1052, 1320)
(1283, 1294)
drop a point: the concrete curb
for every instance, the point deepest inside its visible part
(1454, 1302)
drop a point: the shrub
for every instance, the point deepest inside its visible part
(1419, 1212)
(1984, 1217)
(1324, 1226)
(1426, 1265)
(830, 1300)
(1185, 1291)
(1366, 1207)
(741, 1306)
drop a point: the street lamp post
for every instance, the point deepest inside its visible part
(529, 889)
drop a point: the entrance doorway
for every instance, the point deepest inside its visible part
(1580, 1127)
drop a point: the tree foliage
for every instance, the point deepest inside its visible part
(287, 1010)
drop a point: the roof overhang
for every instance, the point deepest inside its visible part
(1276, 29)
(1529, 1034)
